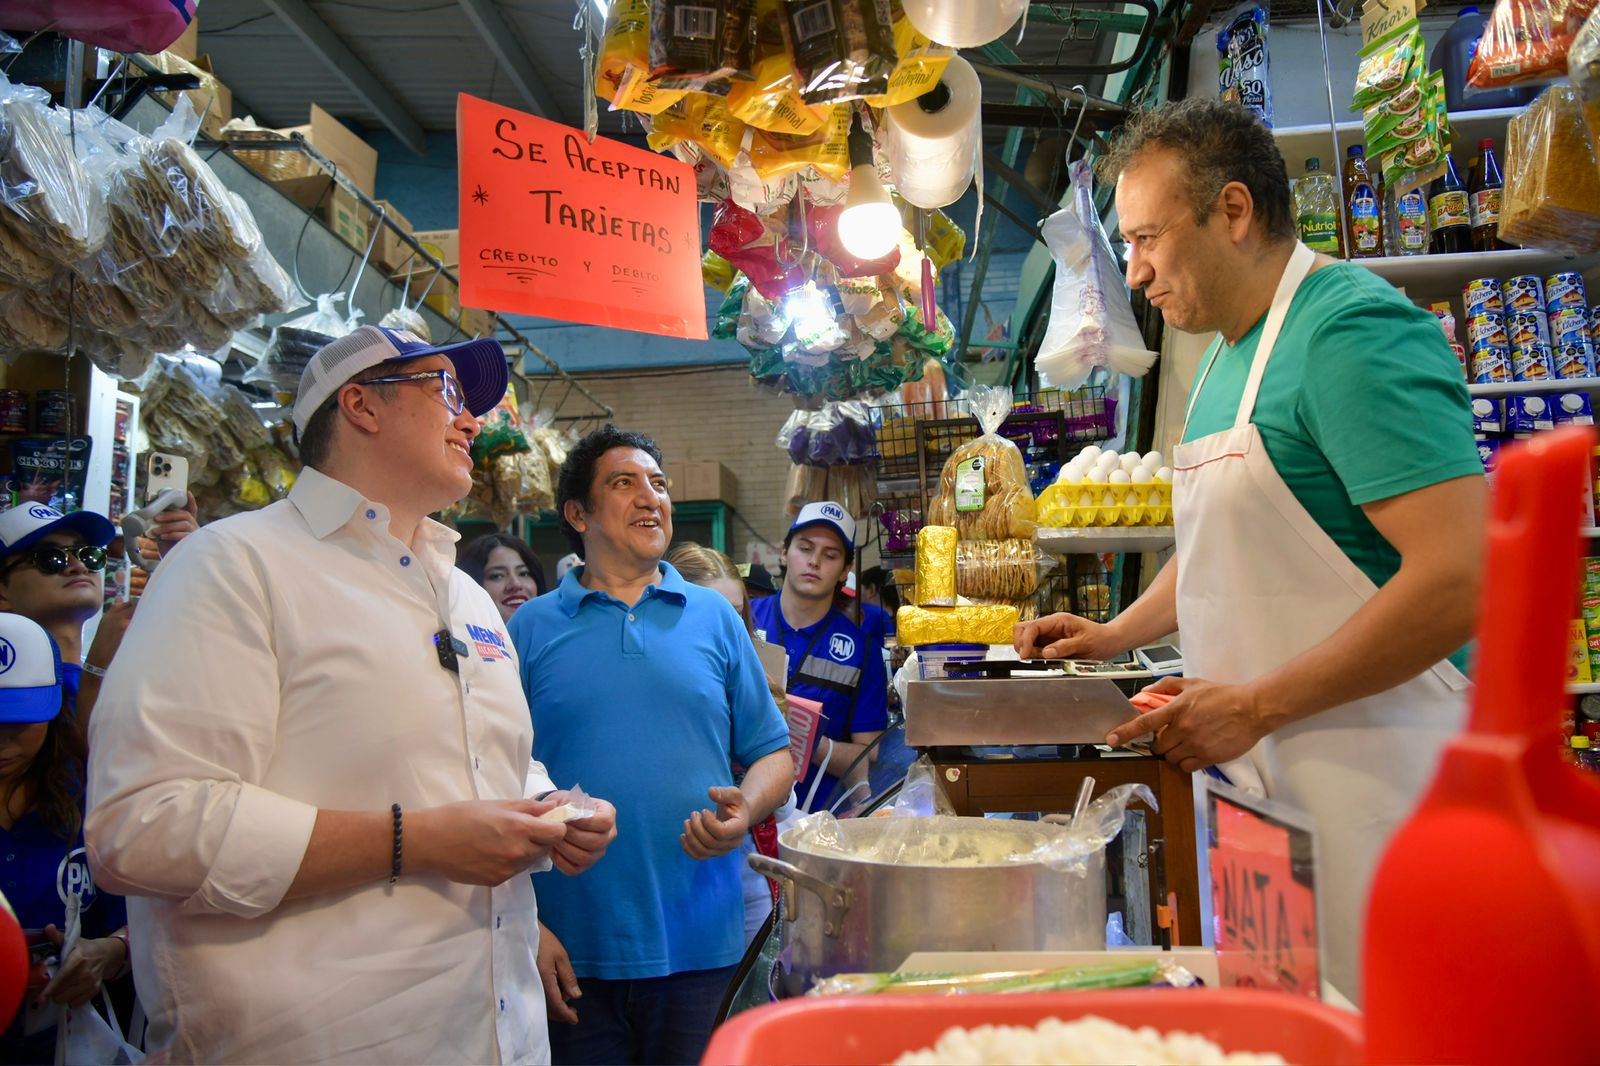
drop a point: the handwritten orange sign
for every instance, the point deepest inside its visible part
(554, 226)
(1263, 900)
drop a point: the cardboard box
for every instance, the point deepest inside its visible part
(350, 220)
(476, 322)
(446, 244)
(706, 479)
(212, 101)
(294, 173)
(188, 45)
(391, 253)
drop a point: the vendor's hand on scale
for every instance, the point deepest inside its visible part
(1192, 723)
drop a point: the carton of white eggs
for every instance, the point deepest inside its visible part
(1101, 487)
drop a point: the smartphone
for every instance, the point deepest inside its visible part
(163, 470)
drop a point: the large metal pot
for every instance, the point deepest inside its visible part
(850, 915)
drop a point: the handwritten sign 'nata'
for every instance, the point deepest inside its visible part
(555, 226)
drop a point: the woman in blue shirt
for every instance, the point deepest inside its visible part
(42, 760)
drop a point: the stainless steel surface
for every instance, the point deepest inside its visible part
(945, 712)
(868, 916)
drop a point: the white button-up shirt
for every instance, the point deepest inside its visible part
(283, 661)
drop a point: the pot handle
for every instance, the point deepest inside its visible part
(836, 900)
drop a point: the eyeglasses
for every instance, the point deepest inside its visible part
(449, 387)
(51, 559)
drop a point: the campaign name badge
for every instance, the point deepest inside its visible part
(491, 644)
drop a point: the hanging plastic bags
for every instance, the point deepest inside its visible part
(1091, 321)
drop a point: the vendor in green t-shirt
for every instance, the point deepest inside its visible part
(1329, 508)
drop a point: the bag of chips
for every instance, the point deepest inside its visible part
(623, 66)
(983, 488)
(767, 99)
(701, 120)
(1387, 63)
(842, 49)
(919, 63)
(827, 150)
(693, 43)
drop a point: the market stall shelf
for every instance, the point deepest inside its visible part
(1297, 143)
(1533, 388)
(1098, 540)
(1428, 275)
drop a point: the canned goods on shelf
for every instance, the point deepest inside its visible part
(1482, 296)
(1491, 365)
(1528, 327)
(1575, 361)
(1531, 362)
(1525, 292)
(1488, 328)
(1569, 325)
(1564, 290)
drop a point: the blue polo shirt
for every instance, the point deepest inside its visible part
(646, 706)
(837, 664)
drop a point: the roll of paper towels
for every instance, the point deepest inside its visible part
(933, 154)
(964, 23)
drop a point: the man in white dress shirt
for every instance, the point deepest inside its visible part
(310, 771)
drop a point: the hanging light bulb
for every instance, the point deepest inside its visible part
(808, 309)
(869, 226)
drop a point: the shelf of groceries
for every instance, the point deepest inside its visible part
(1099, 540)
(1298, 143)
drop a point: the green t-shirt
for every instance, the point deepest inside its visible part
(1362, 400)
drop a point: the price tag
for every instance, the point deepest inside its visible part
(1259, 878)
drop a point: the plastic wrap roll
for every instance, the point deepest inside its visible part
(936, 566)
(964, 23)
(934, 153)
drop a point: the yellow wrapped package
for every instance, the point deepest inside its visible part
(774, 155)
(769, 100)
(621, 73)
(716, 272)
(916, 626)
(919, 64)
(936, 566)
(946, 240)
(699, 119)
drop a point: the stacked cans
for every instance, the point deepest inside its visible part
(1529, 329)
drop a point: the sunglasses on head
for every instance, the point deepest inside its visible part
(51, 559)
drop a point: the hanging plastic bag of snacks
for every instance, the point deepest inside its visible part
(694, 43)
(1242, 60)
(919, 62)
(622, 68)
(701, 120)
(842, 49)
(1526, 41)
(983, 488)
(768, 99)
(826, 150)
(1583, 65)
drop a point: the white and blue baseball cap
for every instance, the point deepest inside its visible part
(23, 525)
(830, 514)
(480, 367)
(30, 672)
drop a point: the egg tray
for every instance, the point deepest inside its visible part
(1058, 505)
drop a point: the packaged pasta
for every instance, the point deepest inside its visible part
(993, 624)
(983, 489)
(1006, 570)
(768, 98)
(936, 566)
(842, 49)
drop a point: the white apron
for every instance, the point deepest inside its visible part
(1259, 582)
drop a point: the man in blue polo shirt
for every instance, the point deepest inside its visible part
(831, 659)
(646, 689)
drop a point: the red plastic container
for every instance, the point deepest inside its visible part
(879, 1029)
(1482, 927)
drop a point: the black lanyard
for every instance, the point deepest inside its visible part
(822, 627)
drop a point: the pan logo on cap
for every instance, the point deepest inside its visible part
(40, 511)
(841, 647)
(8, 655)
(832, 511)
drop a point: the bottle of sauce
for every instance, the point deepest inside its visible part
(1362, 206)
(1317, 210)
(1449, 214)
(1484, 191)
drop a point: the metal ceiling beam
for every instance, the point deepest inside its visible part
(502, 42)
(331, 49)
